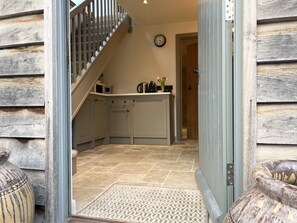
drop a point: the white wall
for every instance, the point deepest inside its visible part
(138, 59)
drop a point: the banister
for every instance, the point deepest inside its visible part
(78, 8)
(92, 23)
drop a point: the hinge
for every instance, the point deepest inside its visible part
(229, 10)
(230, 174)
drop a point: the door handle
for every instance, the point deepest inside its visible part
(196, 70)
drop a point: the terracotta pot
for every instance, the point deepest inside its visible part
(274, 197)
(17, 203)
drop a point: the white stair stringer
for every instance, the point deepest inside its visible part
(82, 87)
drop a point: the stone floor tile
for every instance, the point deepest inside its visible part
(103, 167)
(178, 179)
(137, 152)
(132, 177)
(174, 165)
(195, 165)
(163, 156)
(156, 176)
(149, 160)
(128, 168)
(121, 158)
(84, 195)
(111, 150)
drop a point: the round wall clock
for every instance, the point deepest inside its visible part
(160, 40)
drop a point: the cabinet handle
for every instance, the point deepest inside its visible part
(96, 99)
(133, 100)
(112, 101)
(127, 110)
(125, 101)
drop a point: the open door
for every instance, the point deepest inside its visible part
(192, 92)
(215, 107)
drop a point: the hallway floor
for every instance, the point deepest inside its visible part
(161, 166)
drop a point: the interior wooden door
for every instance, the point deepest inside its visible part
(215, 106)
(192, 91)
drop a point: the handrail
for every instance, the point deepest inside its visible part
(78, 8)
(92, 22)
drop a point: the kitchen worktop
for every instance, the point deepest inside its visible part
(133, 94)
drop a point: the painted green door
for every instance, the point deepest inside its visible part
(215, 106)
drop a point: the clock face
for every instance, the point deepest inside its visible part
(160, 40)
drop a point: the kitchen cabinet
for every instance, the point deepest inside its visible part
(82, 123)
(120, 120)
(99, 117)
(89, 125)
(141, 119)
(149, 117)
(146, 119)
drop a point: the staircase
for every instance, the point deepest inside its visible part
(97, 27)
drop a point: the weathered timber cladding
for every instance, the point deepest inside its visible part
(276, 80)
(37, 178)
(22, 123)
(20, 31)
(277, 42)
(277, 83)
(277, 124)
(21, 91)
(26, 153)
(275, 10)
(11, 8)
(22, 61)
(22, 96)
(276, 152)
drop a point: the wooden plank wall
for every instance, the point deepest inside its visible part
(22, 115)
(276, 80)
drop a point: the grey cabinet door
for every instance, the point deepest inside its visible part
(150, 117)
(120, 121)
(83, 122)
(99, 117)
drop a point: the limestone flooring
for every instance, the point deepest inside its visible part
(161, 166)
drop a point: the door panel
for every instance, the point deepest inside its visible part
(120, 121)
(155, 122)
(192, 92)
(215, 106)
(99, 117)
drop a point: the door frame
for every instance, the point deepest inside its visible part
(238, 99)
(57, 111)
(178, 96)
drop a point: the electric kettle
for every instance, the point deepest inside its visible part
(141, 87)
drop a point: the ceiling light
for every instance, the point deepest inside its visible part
(145, 2)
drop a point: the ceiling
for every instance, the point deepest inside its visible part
(158, 12)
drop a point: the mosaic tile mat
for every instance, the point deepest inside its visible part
(143, 204)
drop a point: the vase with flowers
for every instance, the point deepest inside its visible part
(162, 82)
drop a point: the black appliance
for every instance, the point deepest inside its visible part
(168, 88)
(141, 87)
(151, 87)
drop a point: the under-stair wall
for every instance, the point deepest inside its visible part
(97, 28)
